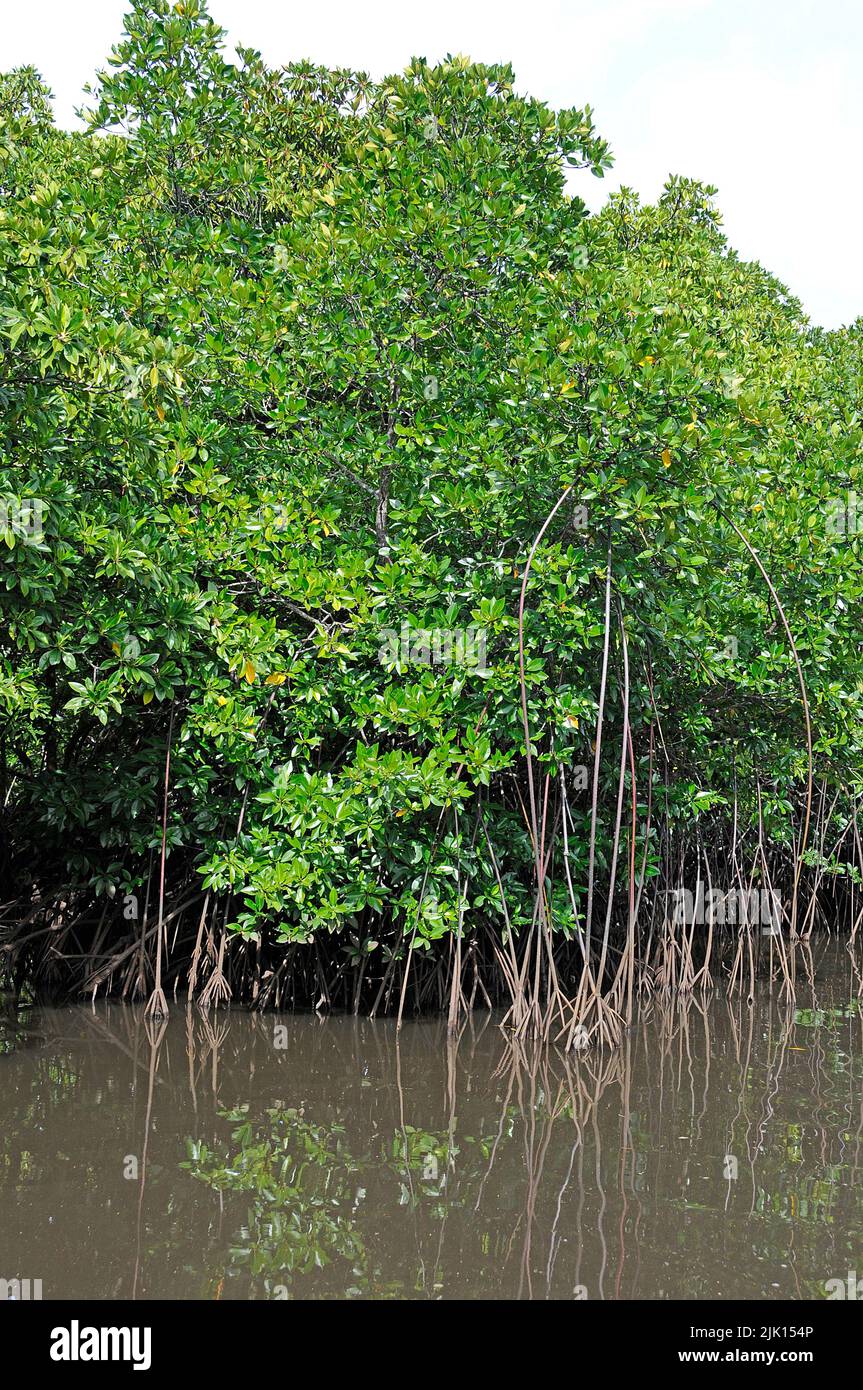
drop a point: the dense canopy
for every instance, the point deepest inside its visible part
(296, 368)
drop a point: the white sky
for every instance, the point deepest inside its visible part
(763, 98)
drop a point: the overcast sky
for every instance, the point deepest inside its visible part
(763, 98)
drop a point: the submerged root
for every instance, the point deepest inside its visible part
(546, 986)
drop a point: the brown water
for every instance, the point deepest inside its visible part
(716, 1155)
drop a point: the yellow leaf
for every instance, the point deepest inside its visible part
(160, 412)
(147, 697)
(221, 700)
(276, 678)
(522, 207)
(249, 671)
(666, 458)
(115, 648)
(647, 361)
(572, 721)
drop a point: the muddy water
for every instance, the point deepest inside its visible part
(716, 1155)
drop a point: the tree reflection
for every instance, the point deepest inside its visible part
(715, 1153)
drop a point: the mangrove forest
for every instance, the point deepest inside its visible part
(419, 595)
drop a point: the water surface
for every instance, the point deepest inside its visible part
(717, 1154)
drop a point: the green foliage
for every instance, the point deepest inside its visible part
(292, 359)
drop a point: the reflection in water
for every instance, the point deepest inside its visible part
(714, 1155)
